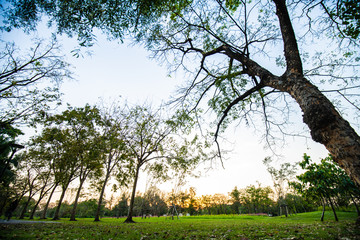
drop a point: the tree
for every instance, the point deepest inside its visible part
(48, 146)
(80, 18)
(235, 199)
(122, 208)
(28, 169)
(114, 150)
(323, 181)
(150, 144)
(15, 192)
(229, 39)
(157, 205)
(256, 199)
(60, 143)
(281, 177)
(41, 164)
(80, 144)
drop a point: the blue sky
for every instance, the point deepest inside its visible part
(116, 69)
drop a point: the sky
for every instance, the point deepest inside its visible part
(114, 70)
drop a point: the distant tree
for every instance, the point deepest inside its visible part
(156, 199)
(194, 203)
(86, 208)
(321, 181)
(121, 209)
(235, 199)
(257, 199)
(220, 203)
(206, 202)
(280, 178)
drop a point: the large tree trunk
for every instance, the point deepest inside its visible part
(43, 215)
(97, 214)
(73, 211)
(325, 123)
(130, 214)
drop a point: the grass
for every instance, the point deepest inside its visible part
(300, 226)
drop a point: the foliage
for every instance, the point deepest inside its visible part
(324, 181)
(8, 147)
(80, 18)
(346, 15)
(154, 146)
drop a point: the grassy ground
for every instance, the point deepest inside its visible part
(300, 226)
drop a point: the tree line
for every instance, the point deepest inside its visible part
(91, 145)
(323, 185)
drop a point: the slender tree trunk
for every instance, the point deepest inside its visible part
(41, 195)
(73, 211)
(34, 208)
(22, 214)
(3, 202)
(355, 204)
(97, 214)
(323, 211)
(131, 207)
(43, 216)
(333, 209)
(57, 211)
(174, 211)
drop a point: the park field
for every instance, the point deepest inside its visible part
(299, 226)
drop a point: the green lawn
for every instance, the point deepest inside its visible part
(300, 226)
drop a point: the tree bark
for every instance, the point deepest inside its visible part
(97, 214)
(333, 209)
(323, 211)
(325, 123)
(43, 216)
(57, 211)
(130, 214)
(22, 214)
(41, 196)
(34, 208)
(355, 204)
(73, 211)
